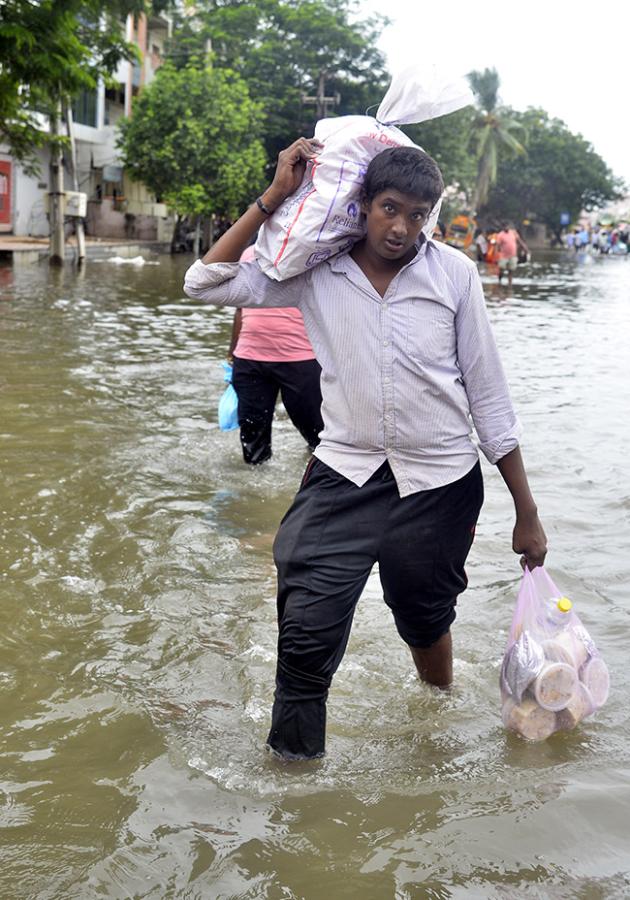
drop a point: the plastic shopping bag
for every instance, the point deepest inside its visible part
(552, 675)
(228, 404)
(323, 217)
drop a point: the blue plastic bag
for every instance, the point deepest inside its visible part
(228, 404)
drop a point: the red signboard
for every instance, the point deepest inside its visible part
(5, 194)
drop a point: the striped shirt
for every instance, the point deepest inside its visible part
(404, 376)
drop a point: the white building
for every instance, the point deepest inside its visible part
(117, 207)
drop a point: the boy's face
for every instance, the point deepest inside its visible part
(394, 221)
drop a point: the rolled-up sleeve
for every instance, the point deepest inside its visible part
(241, 284)
(496, 423)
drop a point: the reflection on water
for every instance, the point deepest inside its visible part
(137, 629)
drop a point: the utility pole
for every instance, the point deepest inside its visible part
(56, 194)
(321, 100)
(78, 221)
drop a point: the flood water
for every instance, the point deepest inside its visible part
(137, 621)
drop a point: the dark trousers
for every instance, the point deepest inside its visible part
(324, 551)
(257, 385)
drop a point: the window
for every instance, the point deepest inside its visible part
(114, 104)
(84, 108)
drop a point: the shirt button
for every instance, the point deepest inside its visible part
(386, 380)
(385, 343)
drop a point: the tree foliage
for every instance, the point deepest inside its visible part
(193, 139)
(493, 134)
(280, 48)
(560, 172)
(446, 139)
(51, 49)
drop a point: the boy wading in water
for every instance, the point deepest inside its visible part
(400, 329)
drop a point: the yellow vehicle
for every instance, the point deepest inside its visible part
(459, 231)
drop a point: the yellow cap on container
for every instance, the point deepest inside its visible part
(564, 604)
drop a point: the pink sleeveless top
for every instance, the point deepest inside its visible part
(272, 335)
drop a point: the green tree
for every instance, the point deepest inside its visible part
(193, 139)
(446, 139)
(281, 48)
(561, 172)
(493, 133)
(51, 50)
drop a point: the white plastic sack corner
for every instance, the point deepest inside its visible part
(323, 217)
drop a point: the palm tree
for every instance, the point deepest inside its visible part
(492, 132)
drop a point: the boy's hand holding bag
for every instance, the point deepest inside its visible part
(552, 675)
(323, 216)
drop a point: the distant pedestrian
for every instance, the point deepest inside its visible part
(583, 239)
(508, 243)
(481, 245)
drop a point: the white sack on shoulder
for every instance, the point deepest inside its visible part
(323, 217)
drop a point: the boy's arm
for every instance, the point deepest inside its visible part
(493, 415)
(529, 537)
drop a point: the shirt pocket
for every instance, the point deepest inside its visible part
(430, 332)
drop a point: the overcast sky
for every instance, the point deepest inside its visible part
(572, 59)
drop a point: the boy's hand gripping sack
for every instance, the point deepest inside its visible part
(323, 217)
(552, 675)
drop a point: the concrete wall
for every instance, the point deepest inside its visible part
(30, 218)
(157, 34)
(536, 235)
(29, 209)
(106, 222)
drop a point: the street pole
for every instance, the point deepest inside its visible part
(78, 222)
(321, 101)
(56, 193)
(321, 96)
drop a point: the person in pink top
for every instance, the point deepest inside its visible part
(271, 354)
(508, 243)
